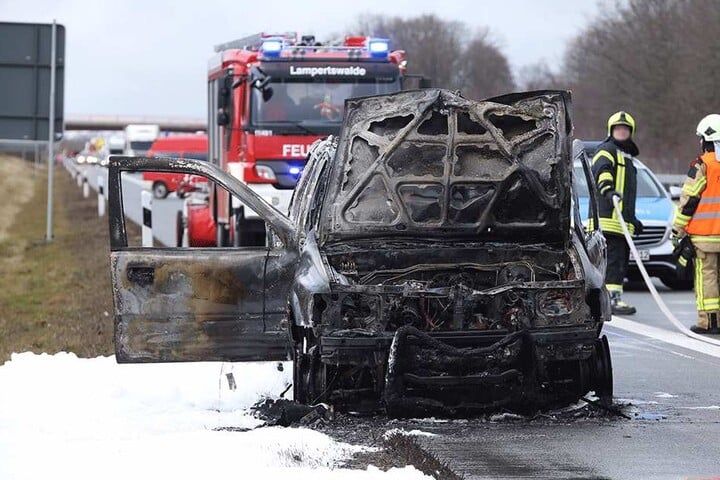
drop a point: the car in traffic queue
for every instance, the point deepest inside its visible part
(655, 209)
(175, 146)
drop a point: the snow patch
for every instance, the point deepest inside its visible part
(65, 417)
(637, 402)
(399, 431)
(664, 395)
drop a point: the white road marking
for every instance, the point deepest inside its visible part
(682, 355)
(667, 336)
(681, 302)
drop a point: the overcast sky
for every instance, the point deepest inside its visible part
(146, 57)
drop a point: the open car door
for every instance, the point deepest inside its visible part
(210, 304)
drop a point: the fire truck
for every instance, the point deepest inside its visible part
(270, 96)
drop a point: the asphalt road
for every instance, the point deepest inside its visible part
(671, 393)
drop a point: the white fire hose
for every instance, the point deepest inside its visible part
(665, 310)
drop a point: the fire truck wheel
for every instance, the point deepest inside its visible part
(159, 190)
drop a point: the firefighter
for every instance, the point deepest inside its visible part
(699, 216)
(616, 176)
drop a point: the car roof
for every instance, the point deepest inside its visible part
(181, 142)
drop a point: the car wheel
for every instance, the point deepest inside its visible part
(159, 190)
(300, 365)
(671, 281)
(602, 377)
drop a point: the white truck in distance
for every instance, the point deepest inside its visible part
(139, 138)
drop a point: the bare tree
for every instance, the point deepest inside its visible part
(539, 76)
(438, 49)
(486, 71)
(655, 59)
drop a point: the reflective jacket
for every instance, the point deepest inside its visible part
(699, 210)
(614, 170)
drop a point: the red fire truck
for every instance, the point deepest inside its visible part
(269, 98)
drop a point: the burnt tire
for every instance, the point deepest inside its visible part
(602, 376)
(300, 365)
(160, 190)
(308, 378)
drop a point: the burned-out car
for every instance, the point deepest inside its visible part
(433, 261)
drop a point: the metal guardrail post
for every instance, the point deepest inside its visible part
(147, 235)
(101, 196)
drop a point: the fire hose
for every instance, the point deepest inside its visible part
(663, 307)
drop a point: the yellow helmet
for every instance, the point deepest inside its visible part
(621, 118)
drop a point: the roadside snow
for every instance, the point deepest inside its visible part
(64, 417)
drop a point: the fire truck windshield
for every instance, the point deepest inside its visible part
(317, 102)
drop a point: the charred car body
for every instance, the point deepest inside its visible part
(433, 261)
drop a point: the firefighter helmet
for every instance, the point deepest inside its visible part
(621, 118)
(709, 128)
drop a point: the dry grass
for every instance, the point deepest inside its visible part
(53, 296)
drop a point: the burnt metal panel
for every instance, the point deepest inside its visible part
(190, 305)
(435, 164)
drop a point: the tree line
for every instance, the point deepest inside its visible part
(657, 59)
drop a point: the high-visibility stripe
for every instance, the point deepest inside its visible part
(699, 290)
(681, 219)
(709, 200)
(605, 177)
(604, 154)
(694, 190)
(682, 261)
(612, 225)
(711, 304)
(705, 215)
(619, 182)
(614, 287)
(705, 238)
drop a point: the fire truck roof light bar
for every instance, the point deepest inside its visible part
(255, 42)
(272, 47)
(379, 47)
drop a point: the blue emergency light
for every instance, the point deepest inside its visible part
(272, 47)
(295, 170)
(379, 47)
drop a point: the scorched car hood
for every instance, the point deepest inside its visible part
(432, 164)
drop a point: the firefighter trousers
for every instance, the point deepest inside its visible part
(707, 288)
(618, 254)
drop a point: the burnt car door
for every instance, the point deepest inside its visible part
(200, 304)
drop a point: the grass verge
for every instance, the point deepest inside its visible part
(53, 296)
